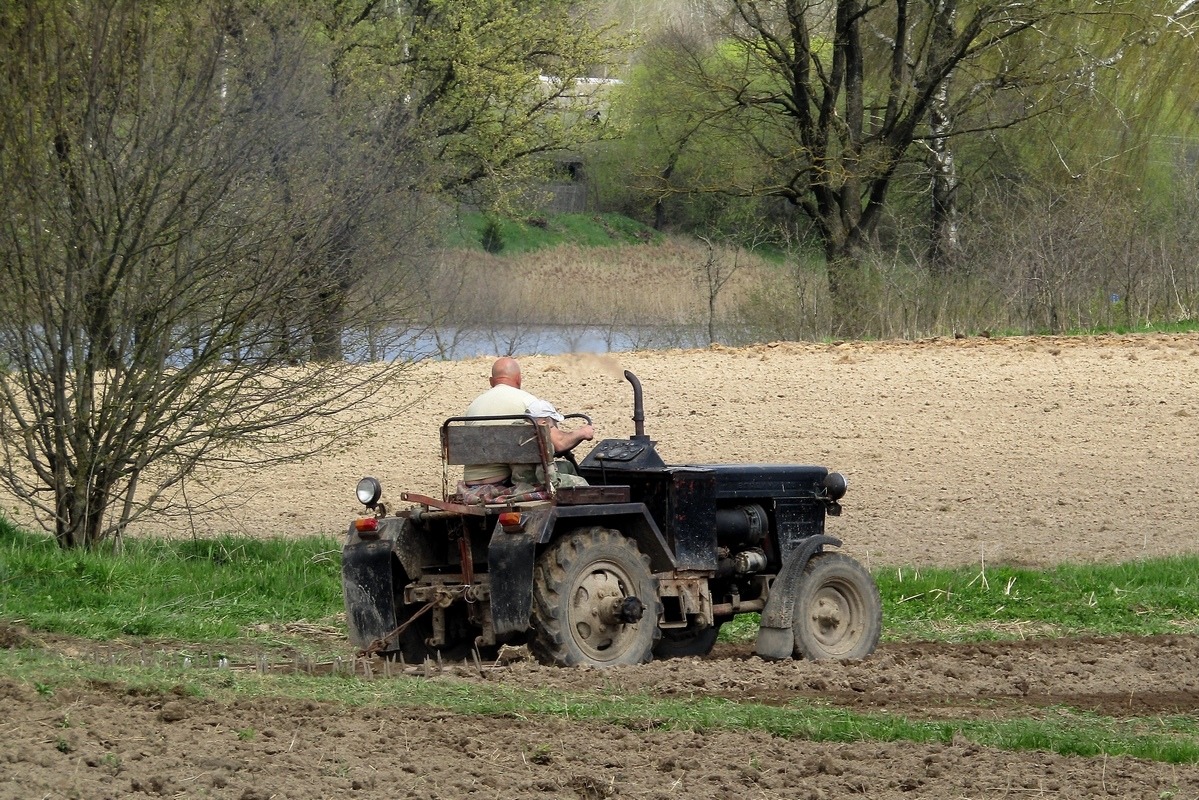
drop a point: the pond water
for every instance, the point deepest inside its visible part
(519, 340)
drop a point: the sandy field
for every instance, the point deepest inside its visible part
(1020, 450)
(1031, 451)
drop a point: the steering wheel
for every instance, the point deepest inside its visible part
(569, 455)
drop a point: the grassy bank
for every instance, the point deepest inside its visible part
(474, 231)
(230, 588)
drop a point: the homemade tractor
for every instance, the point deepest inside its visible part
(648, 560)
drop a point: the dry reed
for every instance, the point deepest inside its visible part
(664, 284)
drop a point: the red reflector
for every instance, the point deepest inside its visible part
(363, 524)
(512, 522)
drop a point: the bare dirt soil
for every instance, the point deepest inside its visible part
(105, 741)
(1032, 451)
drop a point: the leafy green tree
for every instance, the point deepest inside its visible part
(834, 99)
(465, 100)
(674, 146)
(1092, 202)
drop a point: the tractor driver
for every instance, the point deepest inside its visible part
(505, 397)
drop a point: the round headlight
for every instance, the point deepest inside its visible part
(369, 491)
(835, 485)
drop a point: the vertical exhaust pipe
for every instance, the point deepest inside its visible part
(638, 406)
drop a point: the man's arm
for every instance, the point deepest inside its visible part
(565, 441)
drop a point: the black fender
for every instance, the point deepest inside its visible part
(776, 640)
(511, 556)
(368, 588)
(374, 572)
(631, 519)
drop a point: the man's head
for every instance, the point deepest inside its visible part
(505, 370)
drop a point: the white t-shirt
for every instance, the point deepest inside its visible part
(500, 400)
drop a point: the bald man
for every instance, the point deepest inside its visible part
(505, 397)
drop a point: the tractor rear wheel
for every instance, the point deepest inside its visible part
(838, 611)
(595, 601)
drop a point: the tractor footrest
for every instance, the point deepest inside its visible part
(584, 495)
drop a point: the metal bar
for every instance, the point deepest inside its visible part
(457, 508)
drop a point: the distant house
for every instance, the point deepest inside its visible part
(583, 103)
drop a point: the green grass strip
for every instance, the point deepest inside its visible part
(969, 604)
(225, 588)
(209, 590)
(1152, 596)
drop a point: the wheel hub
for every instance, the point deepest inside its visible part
(601, 609)
(624, 611)
(828, 615)
(830, 618)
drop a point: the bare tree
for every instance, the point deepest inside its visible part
(152, 302)
(715, 272)
(945, 215)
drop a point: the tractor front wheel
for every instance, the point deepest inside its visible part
(595, 601)
(838, 611)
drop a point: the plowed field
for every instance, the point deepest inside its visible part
(1032, 451)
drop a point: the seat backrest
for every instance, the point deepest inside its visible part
(494, 444)
(518, 441)
(496, 440)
